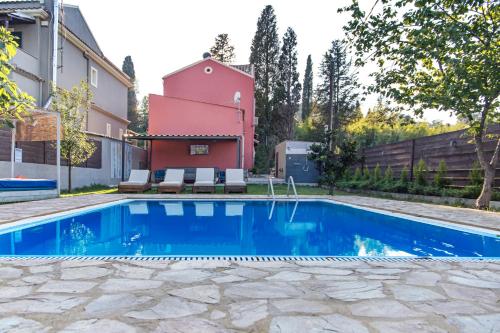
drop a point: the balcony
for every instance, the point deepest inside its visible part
(26, 62)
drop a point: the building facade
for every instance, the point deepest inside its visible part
(79, 58)
(205, 117)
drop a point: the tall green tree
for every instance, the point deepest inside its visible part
(143, 115)
(436, 54)
(132, 115)
(337, 91)
(264, 55)
(307, 89)
(222, 49)
(14, 104)
(287, 95)
(73, 105)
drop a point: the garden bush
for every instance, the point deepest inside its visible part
(420, 173)
(440, 179)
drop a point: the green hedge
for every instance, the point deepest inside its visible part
(365, 180)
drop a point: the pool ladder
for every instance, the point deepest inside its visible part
(270, 192)
(270, 188)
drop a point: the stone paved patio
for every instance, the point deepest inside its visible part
(235, 296)
(223, 296)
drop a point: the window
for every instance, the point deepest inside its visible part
(93, 76)
(18, 36)
(208, 70)
(120, 133)
(199, 149)
(108, 130)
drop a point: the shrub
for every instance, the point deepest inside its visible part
(440, 179)
(388, 175)
(366, 174)
(420, 173)
(377, 174)
(476, 174)
(404, 175)
(357, 175)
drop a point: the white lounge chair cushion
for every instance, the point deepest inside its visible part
(236, 183)
(205, 176)
(171, 183)
(204, 183)
(173, 177)
(132, 183)
(137, 177)
(234, 176)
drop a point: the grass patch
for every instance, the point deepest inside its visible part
(93, 189)
(255, 189)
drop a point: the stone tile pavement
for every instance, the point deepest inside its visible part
(224, 296)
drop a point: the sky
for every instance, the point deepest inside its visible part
(163, 36)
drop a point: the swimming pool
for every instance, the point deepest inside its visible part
(240, 228)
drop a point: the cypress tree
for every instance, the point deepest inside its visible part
(287, 95)
(337, 91)
(264, 54)
(307, 89)
(132, 114)
(222, 49)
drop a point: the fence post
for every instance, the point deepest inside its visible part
(123, 158)
(412, 158)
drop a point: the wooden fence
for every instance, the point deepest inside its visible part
(43, 152)
(454, 148)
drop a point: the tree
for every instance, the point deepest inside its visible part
(73, 106)
(222, 49)
(287, 95)
(436, 54)
(337, 91)
(14, 104)
(307, 89)
(132, 116)
(333, 163)
(143, 116)
(264, 54)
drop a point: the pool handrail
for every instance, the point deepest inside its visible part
(270, 187)
(290, 181)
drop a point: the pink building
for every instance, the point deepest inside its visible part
(205, 117)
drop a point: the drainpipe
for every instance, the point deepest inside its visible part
(55, 45)
(86, 56)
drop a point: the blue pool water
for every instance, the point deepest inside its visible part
(234, 228)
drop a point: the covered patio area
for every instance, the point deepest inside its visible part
(190, 151)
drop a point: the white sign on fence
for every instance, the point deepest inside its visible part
(18, 155)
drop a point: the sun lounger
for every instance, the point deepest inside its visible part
(137, 182)
(204, 209)
(235, 181)
(173, 182)
(205, 180)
